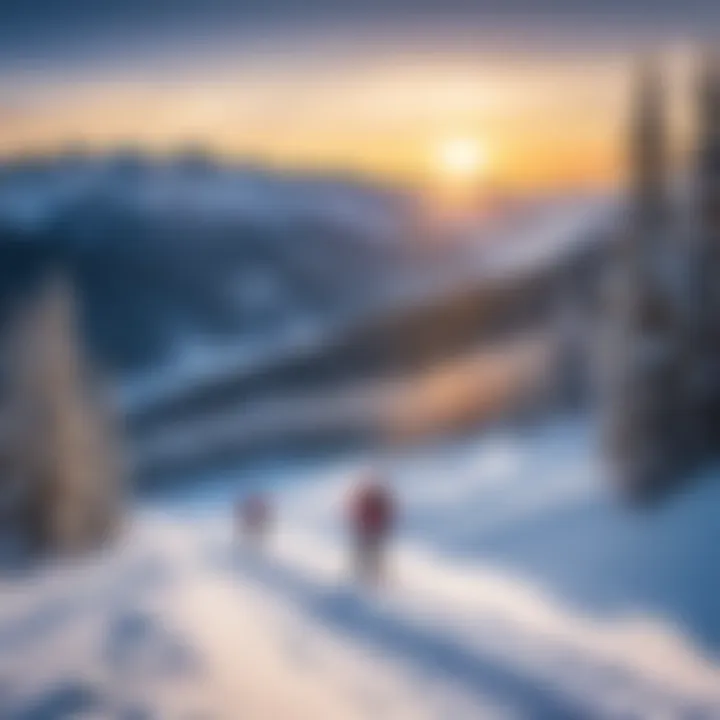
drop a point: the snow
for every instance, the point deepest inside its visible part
(34, 196)
(518, 589)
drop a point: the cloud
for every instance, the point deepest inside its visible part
(79, 28)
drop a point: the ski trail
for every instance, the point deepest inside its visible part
(496, 640)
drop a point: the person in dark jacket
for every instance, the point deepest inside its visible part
(253, 517)
(372, 518)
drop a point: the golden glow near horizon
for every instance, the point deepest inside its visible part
(463, 159)
(528, 124)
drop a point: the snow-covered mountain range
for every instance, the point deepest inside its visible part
(166, 250)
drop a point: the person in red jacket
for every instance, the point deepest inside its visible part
(372, 518)
(252, 516)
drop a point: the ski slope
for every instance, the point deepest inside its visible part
(518, 589)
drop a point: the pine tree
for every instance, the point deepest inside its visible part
(64, 452)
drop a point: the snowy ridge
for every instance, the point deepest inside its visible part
(561, 231)
(35, 196)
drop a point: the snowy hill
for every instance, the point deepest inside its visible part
(519, 590)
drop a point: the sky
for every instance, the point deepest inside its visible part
(378, 88)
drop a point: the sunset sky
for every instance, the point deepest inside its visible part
(377, 88)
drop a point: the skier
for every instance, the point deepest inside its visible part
(372, 517)
(253, 516)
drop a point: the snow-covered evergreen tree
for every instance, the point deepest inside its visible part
(644, 392)
(64, 450)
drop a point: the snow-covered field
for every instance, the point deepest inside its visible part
(518, 589)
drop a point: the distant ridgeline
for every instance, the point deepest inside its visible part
(167, 252)
(662, 414)
(60, 468)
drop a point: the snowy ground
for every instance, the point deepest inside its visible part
(519, 590)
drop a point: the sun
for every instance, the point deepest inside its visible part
(462, 158)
